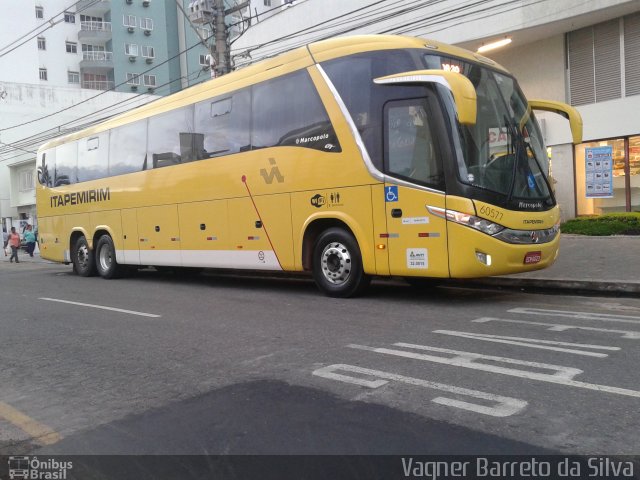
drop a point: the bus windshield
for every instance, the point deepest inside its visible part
(504, 151)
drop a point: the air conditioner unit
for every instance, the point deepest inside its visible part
(129, 1)
(147, 32)
(149, 60)
(132, 59)
(131, 29)
(134, 87)
(150, 89)
(146, 3)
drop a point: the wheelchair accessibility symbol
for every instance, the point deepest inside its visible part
(391, 193)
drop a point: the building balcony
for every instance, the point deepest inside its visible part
(95, 31)
(93, 7)
(96, 61)
(98, 85)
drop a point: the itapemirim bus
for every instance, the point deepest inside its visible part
(351, 157)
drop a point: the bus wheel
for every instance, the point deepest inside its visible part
(106, 258)
(337, 264)
(84, 262)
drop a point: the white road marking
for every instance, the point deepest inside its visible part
(562, 328)
(613, 306)
(563, 375)
(470, 360)
(603, 317)
(102, 307)
(533, 343)
(506, 406)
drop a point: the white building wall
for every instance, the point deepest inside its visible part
(17, 19)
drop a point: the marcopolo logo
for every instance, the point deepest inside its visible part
(38, 469)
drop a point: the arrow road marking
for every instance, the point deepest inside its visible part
(505, 406)
(562, 375)
(562, 328)
(533, 343)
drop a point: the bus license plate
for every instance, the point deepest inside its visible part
(532, 257)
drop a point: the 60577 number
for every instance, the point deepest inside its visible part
(491, 212)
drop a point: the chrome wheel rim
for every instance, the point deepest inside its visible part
(83, 256)
(336, 263)
(104, 258)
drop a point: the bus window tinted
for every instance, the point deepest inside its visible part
(93, 157)
(128, 148)
(353, 78)
(223, 125)
(287, 111)
(171, 137)
(66, 164)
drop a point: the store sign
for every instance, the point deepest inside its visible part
(599, 172)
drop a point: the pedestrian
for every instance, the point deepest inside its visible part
(5, 240)
(14, 242)
(30, 239)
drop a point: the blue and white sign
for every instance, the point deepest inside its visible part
(391, 193)
(599, 172)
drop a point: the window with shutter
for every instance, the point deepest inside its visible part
(606, 47)
(632, 54)
(581, 72)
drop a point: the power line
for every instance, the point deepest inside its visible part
(98, 95)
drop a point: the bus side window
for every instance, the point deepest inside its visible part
(128, 148)
(66, 171)
(170, 134)
(93, 157)
(224, 124)
(287, 111)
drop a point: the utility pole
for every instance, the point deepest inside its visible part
(222, 66)
(213, 12)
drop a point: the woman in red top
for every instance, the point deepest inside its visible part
(14, 243)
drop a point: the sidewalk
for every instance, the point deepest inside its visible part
(593, 264)
(23, 257)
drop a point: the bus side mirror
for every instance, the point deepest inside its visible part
(567, 111)
(464, 94)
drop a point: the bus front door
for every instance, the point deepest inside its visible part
(417, 240)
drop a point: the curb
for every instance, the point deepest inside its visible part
(567, 285)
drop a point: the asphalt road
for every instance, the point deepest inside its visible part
(220, 364)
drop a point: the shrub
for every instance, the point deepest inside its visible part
(609, 224)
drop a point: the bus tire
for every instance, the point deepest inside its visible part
(337, 264)
(84, 261)
(106, 259)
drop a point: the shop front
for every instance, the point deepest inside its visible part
(608, 176)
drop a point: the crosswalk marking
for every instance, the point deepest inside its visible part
(505, 406)
(561, 327)
(602, 317)
(562, 375)
(533, 343)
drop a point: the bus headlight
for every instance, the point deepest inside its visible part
(528, 237)
(481, 224)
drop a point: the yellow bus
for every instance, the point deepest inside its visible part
(348, 158)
